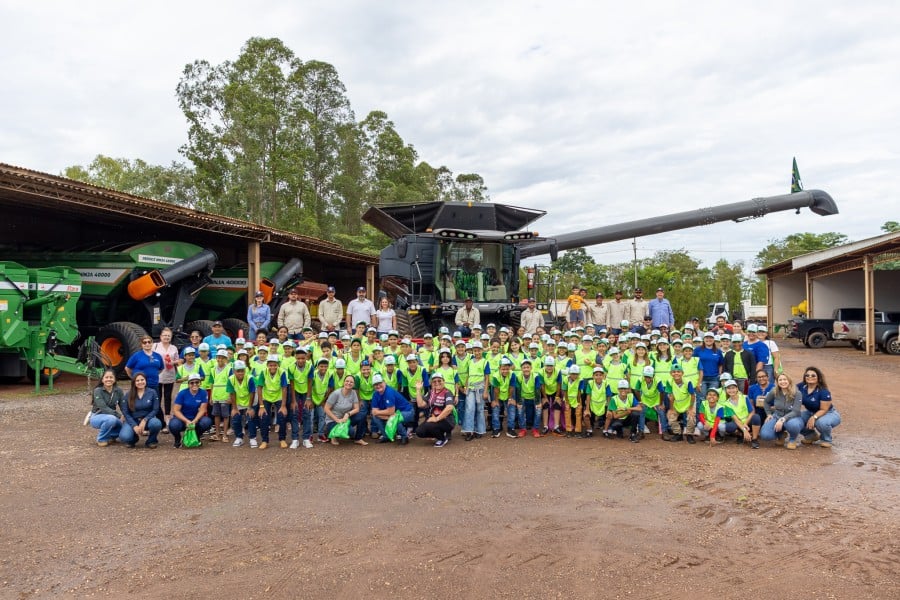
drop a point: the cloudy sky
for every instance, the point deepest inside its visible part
(597, 112)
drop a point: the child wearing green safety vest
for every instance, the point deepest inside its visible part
(272, 387)
(709, 417)
(242, 391)
(504, 386)
(614, 367)
(586, 358)
(553, 416)
(572, 390)
(637, 363)
(741, 419)
(365, 388)
(515, 355)
(190, 365)
(690, 365)
(662, 361)
(478, 373)
(653, 396)
(299, 376)
(448, 372)
(624, 410)
(217, 383)
(597, 393)
(287, 355)
(321, 384)
(206, 361)
(392, 375)
(258, 364)
(377, 361)
(682, 404)
(354, 358)
(530, 401)
(427, 357)
(414, 372)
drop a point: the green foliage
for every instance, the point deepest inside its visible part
(890, 226)
(795, 245)
(174, 183)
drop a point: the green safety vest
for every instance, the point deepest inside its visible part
(241, 391)
(636, 375)
(617, 403)
(739, 371)
(587, 370)
(476, 372)
(184, 370)
(502, 385)
(271, 385)
(300, 377)
(650, 394)
(320, 387)
(392, 379)
(616, 372)
(494, 361)
(353, 364)
(412, 378)
(741, 412)
(691, 369)
(462, 368)
(449, 374)
(218, 383)
(598, 394)
(550, 382)
(709, 414)
(366, 387)
(572, 391)
(681, 397)
(527, 387)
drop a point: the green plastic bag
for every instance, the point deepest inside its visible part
(390, 429)
(190, 439)
(340, 430)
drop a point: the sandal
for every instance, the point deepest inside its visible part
(361, 442)
(334, 442)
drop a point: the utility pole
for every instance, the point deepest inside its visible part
(634, 247)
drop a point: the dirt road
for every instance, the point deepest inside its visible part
(523, 518)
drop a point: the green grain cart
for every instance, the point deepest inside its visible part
(37, 321)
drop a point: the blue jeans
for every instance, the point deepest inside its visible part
(530, 414)
(824, 424)
(792, 426)
(460, 408)
(659, 409)
(177, 427)
(514, 414)
(357, 425)
(317, 413)
(292, 417)
(770, 371)
(378, 424)
(237, 423)
(495, 415)
(128, 436)
(265, 421)
(708, 383)
(108, 425)
(474, 412)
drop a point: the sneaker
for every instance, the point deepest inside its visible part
(545, 431)
(404, 441)
(589, 433)
(478, 436)
(535, 433)
(441, 443)
(559, 432)
(791, 446)
(264, 445)
(634, 439)
(375, 436)
(754, 444)
(214, 437)
(224, 438)
(177, 444)
(238, 442)
(307, 444)
(511, 433)
(495, 434)
(691, 440)
(254, 443)
(520, 433)
(229, 432)
(103, 444)
(469, 437)
(739, 439)
(151, 446)
(581, 435)
(824, 444)
(675, 437)
(322, 439)
(295, 444)
(570, 434)
(646, 430)
(811, 439)
(607, 433)
(283, 444)
(383, 440)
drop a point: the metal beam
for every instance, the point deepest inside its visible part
(252, 271)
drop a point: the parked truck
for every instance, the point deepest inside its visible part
(886, 329)
(748, 312)
(130, 292)
(37, 319)
(815, 333)
(444, 252)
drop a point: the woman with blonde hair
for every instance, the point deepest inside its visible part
(783, 406)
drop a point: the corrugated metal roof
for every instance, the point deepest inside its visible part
(875, 245)
(52, 191)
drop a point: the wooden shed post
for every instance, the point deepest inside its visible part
(252, 270)
(370, 282)
(869, 282)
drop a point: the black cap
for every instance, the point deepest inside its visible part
(636, 290)
(219, 323)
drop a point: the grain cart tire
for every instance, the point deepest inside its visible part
(117, 342)
(204, 326)
(232, 326)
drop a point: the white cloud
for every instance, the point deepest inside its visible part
(596, 112)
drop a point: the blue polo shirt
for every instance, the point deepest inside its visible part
(710, 360)
(760, 351)
(150, 366)
(214, 341)
(812, 401)
(190, 403)
(390, 397)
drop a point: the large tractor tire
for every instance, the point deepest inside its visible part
(233, 326)
(204, 326)
(411, 325)
(118, 341)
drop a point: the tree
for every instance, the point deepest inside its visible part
(890, 226)
(779, 250)
(174, 183)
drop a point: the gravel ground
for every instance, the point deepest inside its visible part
(522, 518)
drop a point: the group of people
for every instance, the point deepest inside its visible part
(687, 384)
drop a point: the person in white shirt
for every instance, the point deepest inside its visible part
(331, 311)
(467, 317)
(360, 309)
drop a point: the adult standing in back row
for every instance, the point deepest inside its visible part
(360, 309)
(660, 310)
(294, 315)
(331, 311)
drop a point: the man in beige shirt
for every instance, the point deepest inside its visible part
(294, 315)
(467, 317)
(532, 318)
(637, 308)
(598, 312)
(331, 311)
(617, 310)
